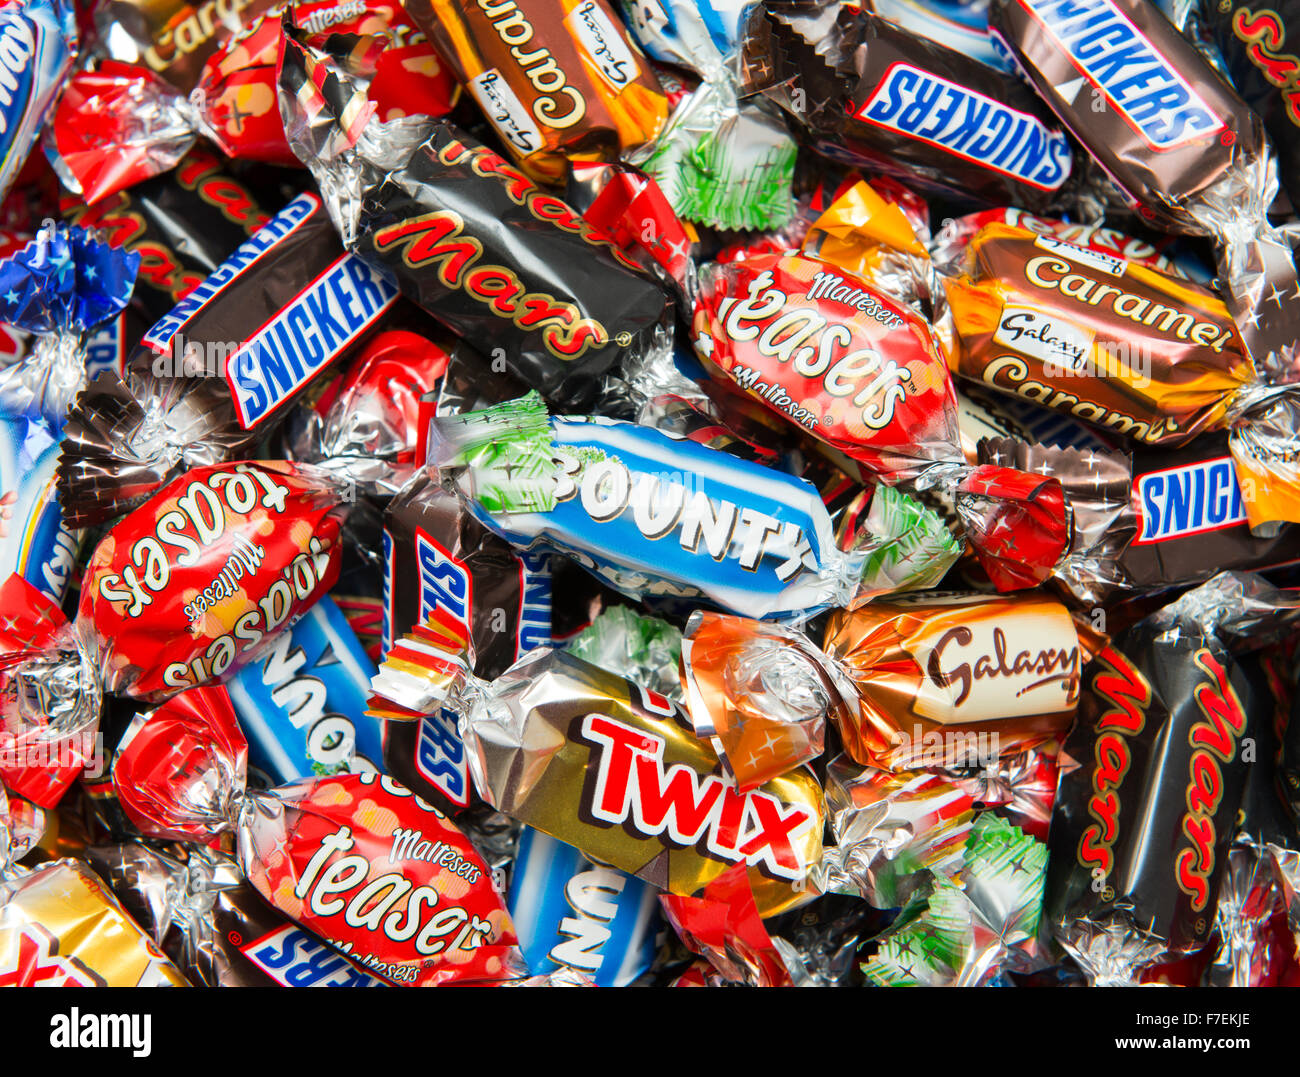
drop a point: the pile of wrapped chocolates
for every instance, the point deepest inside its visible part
(671, 493)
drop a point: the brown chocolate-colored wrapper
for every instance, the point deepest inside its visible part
(823, 63)
(1160, 166)
(172, 37)
(559, 79)
(442, 563)
(1116, 344)
(1178, 141)
(946, 679)
(1155, 519)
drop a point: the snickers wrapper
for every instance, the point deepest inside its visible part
(214, 925)
(61, 927)
(1177, 140)
(947, 680)
(871, 95)
(559, 80)
(617, 771)
(212, 377)
(442, 565)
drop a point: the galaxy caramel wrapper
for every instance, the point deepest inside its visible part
(559, 80)
(952, 679)
(1184, 148)
(1117, 344)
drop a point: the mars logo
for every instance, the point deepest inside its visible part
(1129, 695)
(683, 808)
(1214, 744)
(32, 959)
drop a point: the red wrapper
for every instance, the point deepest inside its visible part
(122, 123)
(188, 586)
(848, 365)
(356, 858)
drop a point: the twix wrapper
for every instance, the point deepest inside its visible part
(947, 679)
(559, 79)
(613, 768)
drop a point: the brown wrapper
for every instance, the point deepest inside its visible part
(559, 79)
(60, 927)
(948, 680)
(1116, 344)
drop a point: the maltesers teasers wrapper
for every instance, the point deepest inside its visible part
(946, 679)
(188, 586)
(613, 768)
(356, 858)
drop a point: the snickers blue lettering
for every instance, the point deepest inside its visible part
(535, 603)
(293, 957)
(264, 239)
(322, 320)
(1142, 85)
(965, 122)
(1180, 501)
(445, 587)
(440, 757)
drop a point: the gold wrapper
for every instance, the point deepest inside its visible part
(616, 770)
(1114, 343)
(60, 927)
(951, 680)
